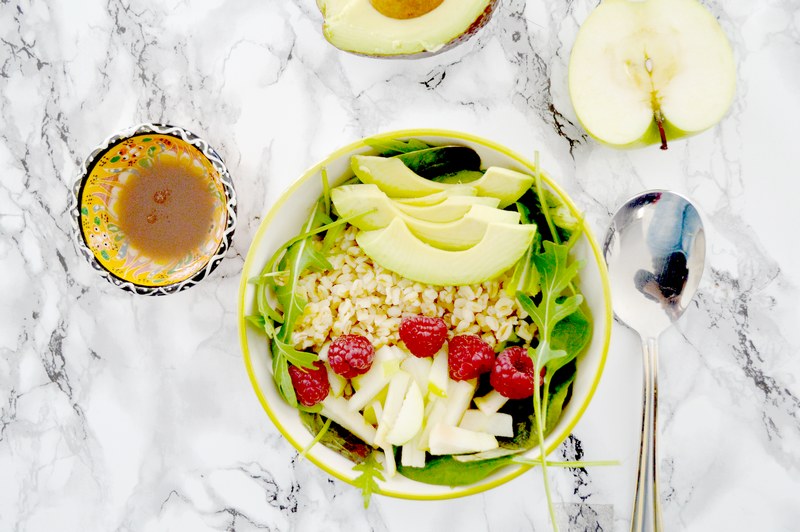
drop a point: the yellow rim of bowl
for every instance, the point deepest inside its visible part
(411, 133)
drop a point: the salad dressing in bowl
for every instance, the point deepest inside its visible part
(166, 210)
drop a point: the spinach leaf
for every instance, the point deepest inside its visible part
(440, 160)
(558, 399)
(524, 415)
(572, 333)
(447, 471)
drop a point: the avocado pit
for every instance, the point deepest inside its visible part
(405, 9)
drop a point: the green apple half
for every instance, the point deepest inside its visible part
(649, 71)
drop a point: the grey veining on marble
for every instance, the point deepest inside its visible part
(129, 413)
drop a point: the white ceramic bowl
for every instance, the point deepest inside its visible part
(284, 221)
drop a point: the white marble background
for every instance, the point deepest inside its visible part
(131, 413)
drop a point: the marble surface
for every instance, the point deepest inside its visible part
(131, 413)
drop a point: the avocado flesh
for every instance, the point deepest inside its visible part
(397, 249)
(368, 207)
(450, 210)
(438, 197)
(462, 233)
(356, 26)
(397, 180)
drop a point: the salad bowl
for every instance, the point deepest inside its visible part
(285, 220)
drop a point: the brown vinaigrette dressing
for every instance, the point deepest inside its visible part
(166, 210)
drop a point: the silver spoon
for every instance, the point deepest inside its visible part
(655, 250)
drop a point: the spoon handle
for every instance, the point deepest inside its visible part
(646, 507)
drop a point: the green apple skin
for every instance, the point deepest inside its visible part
(650, 137)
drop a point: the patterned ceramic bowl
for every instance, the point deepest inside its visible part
(96, 210)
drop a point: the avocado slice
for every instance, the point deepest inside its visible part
(397, 180)
(462, 233)
(438, 197)
(378, 209)
(450, 210)
(397, 249)
(387, 28)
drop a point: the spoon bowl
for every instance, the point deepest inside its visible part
(655, 252)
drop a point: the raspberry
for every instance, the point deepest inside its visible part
(350, 355)
(423, 336)
(310, 385)
(468, 356)
(512, 374)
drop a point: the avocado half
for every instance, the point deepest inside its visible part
(395, 28)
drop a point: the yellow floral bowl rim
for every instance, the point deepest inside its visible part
(225, 182)
(459, 491)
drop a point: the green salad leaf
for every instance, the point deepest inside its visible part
(280, 277)
(556, 275)
(447, 471)
(370, 470)
(321, 434)
(441, 160)
(441, 163)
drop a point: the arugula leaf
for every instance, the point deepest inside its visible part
(262, 323)
(280, 373)
(561, 215)
(317, 438)
(367, 481)
(258, 321)
(300, 257)
(525, 277)
(326, 191)
(391, 147)
(540, 197)
(300, 254)
(298, 358)
(262, 302)
(556, 275)
(441, 160)
(331, 236)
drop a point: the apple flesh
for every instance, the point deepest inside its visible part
(446, 439)
(644, 72)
